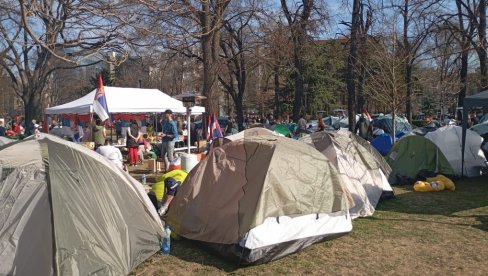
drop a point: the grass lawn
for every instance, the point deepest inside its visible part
(442, 233)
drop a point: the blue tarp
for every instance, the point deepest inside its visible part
(385, 123)
(383, 143)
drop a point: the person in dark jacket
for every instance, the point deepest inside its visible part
(132, 143)
(98, 133)
(364, 127)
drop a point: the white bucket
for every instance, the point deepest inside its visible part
(188, 161)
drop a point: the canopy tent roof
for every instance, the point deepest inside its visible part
(480, 99)
(126, 100)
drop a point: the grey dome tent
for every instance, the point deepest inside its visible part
(481, 100)
(261, 198)
(362, 171)
(66, 210)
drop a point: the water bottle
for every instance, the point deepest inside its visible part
(144, 179)
(166, 244)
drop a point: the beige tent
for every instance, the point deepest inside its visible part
(66, 210)
(4, 141)
(260, 198)
(255, 131)
(361, 171)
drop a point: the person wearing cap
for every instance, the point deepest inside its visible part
(169, 137)
(171, 189)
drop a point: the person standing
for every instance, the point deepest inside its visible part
(321, 125)
(132, 142)
(301, 125)
(2, 129)
(364, 127)
(169, 137)
(98, 133)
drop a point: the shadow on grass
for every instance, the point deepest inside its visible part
(470, 195)
(191, 251)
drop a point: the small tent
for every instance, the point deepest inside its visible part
(383, 143)
(385, 167)
(255, 131)
(386, 123)
(477, 100)
(66, 210)
(449, 141)
(362, 174)
(261, 198)
(414, 153)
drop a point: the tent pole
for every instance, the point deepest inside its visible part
(188, 129)
(111, 127)
(465, 126)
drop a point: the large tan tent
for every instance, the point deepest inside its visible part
(260, 198)
(66, 210)
(361, 171)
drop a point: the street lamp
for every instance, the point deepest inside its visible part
(189, 99)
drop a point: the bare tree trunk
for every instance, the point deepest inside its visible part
(409, 86)
(360, 95)
(240, 113)
(351, 64)
(408, 62)
(393, 123)
(277, 91)
(463, 73)
(32, 106)
(482, 45)
(299, 88)
(298, 23)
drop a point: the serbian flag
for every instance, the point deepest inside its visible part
(100, 102)
(214, 130)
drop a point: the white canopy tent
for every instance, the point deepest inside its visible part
(126, 100)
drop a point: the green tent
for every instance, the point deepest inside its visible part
(412, 154)
(282, 129)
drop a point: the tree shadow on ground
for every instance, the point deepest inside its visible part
(191, 251)
(470, 195)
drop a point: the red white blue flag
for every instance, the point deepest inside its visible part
(214, 130)
(100, 101)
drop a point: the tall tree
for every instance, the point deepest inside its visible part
(208, 17)
(276, 55)
(474, 13)
(466, 32)
(366, 19)
(298, 22)
(35, 33)
(418, 18)
(237, 46)
(351, 64)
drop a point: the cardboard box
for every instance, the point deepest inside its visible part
(200, 156)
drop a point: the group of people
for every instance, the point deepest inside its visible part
(14, 128)
(136, 142)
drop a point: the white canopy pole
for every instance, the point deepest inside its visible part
(188, 112)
